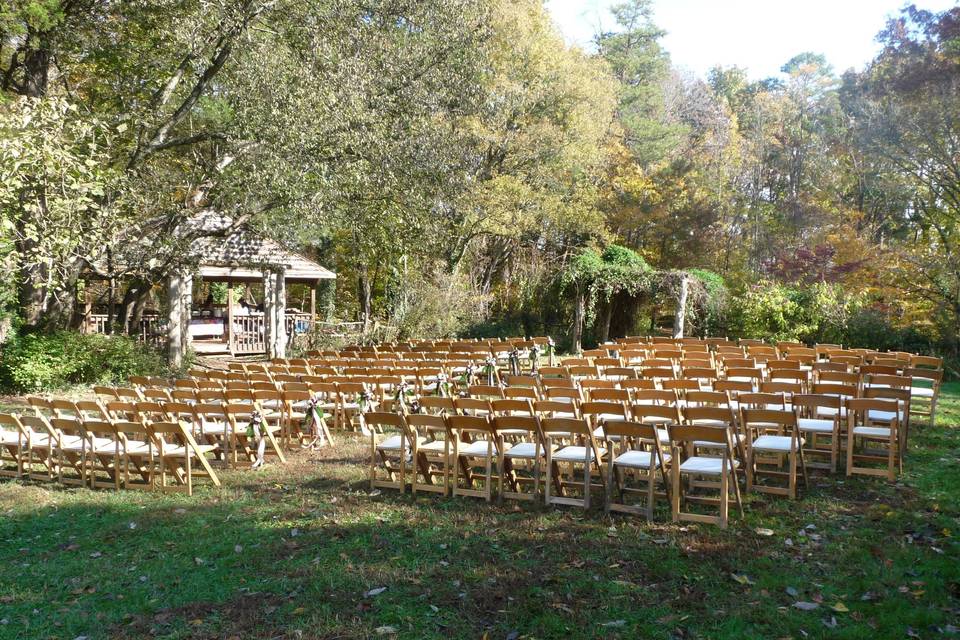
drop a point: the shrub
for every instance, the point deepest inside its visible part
(41, 361)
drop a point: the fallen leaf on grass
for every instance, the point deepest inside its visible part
(763, 531)
(792, 592)
(840, 608)
(805, 606)
(385, 630)
(742, 579)
(614, 623)
(374, 592)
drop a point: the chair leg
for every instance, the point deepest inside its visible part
(724, 498)
(675, 497)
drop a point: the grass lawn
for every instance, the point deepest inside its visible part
(304, 551)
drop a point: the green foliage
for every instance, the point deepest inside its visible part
(34, 362)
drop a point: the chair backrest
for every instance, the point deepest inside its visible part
(470, 424)
(707, 398)
(575, 426)
(806, 404)
(385, 419)
(832, 389)
(769, 420)
(426, 423)
(528, 393)
(639, 384)
(779, 386)
(609, 395)
(512, 406)
(681, 385)
(762, 400)
(858, 409)
(733, 387)
(655, 413)
(682, 434)
(599, 411)
(485, 391)
(530, 424)
(437, 405)
(556, 408)
(471, 406)
(564, 393)
(716, 414)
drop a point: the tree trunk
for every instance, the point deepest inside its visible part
(605, 320)
(680, 318)
(364, 294)
(579, 311)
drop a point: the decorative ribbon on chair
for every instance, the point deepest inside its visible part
(514, 359)
(315, 421)
(443, 385)
(551, 348)
(400, 396)
(469, 372)
(256, 429)
(489, 369)
(364, 401)
(534, 356)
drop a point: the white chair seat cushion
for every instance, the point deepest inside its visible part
(709, 423)
(9, 437)
(575, 454)
(921, 392)
(878, 432)
(525, 450)
(351, 406)
(136, 448)
(40, 440)
(882, 416)
(736, 437)
(478, 449)
(773, 443)
(393, 444)
(178, 451)
(433, 446)
(706, 466)
(514, 432)
(637, 459)
(830, 412)
(815, 425)
(72, 443)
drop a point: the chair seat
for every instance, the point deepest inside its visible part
(830, 412)
(434, 446)
(705, 466)
(877, 432)
(815, 425)
(882, 416)
(514, 432)
(735, 438)
(393, 444)
(637, 459)
(575, 454)
(135, 448)
(179, 451)
(72, 443)
(709, 423)
(39, 441)
(921, 392)
(9, 437)
(478, 449)
(527, 450)
(773, 443)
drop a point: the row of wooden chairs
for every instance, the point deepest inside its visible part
(653, 450)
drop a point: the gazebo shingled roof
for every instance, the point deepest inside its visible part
(228, 251)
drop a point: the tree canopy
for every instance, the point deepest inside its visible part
(462, 153)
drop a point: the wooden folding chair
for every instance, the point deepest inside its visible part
(772, 439)
(70, 448)
(40, 442)
(521, 449)
(177, 453)
(137, 454)
(13, 446)
(863, 431)
(924, 391)
(432, 453)
(640, 456)
(474, 439)
(684, 440)
(392, 446)
(587, 453)
(814, 428)
(104, 454)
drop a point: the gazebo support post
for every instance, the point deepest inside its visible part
(180, 299)
(678, 319)
(229, 332)
(274, 311)
(313, 304)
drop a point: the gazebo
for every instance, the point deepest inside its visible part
(236, 254)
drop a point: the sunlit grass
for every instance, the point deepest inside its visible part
(291, 551)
